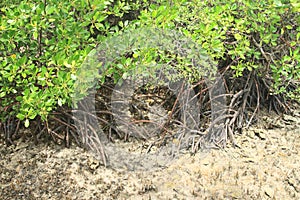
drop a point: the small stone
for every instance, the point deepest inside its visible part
(93, 163)
(251, 134)
(260, 133)
(290, 118)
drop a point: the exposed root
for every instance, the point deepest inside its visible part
(183, 130)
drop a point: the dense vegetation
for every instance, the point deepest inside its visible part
(254, 44)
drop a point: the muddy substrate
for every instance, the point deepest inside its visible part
(267, 166)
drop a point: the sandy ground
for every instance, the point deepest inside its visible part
(267, 166)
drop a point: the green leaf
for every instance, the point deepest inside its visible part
(20, 116)
(238, 36)
(2, 94)
(35, 35)
(26, 123)
(59, 102)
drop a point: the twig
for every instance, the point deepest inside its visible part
(257, 105)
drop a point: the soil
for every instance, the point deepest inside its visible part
(266, 166)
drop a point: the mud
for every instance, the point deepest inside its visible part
(266, 166)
